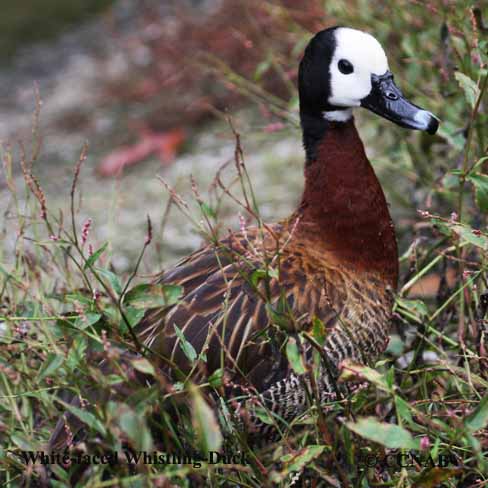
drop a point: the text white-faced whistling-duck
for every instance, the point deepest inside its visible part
(334, 259)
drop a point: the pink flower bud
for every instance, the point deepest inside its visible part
(85, 231)
(424, 443)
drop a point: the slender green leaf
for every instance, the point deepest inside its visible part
(112, 278)
(416, 307)
(204, 422)
(295, 463)
(133, 316)
(478, 419)
(86, 320)
(263, 415)
(151, 296)
(403, 409)
(303, 458)
(480, 183)
(86, 417)
(480, 161)
(469, 87)
(319, 331)
(22, 442)
(389, 435)
(352, 370)
(466, 233)
(258, 275)
(186, 346)
(144, 366)
(50, 365)
(134, 425)
(294, 356)
(94, 257)
(208, 211)
(215, 379)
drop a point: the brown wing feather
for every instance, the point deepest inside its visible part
(222, 311)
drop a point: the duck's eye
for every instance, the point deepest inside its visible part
(345, 67)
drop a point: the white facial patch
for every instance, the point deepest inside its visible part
(366, 56)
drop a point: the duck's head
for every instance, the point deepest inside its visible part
(343, 68)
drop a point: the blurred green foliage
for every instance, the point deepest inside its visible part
(28, 21)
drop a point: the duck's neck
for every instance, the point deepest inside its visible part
(343, 204)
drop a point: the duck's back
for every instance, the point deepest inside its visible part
(240, 296)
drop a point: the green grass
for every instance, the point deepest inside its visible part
(63, 309)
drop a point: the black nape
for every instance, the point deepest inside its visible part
(313, 129)
(314, 89)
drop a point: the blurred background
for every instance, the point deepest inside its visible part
(149, 86)
(132, 79)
